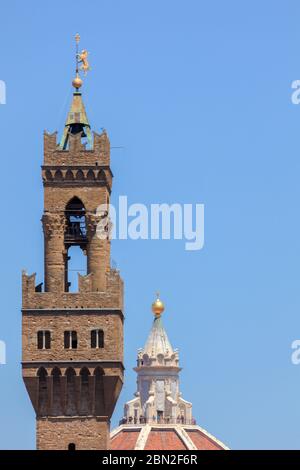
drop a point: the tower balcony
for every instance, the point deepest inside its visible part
(157, 420)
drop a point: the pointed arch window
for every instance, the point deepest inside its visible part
(75, 215)
(75, 243)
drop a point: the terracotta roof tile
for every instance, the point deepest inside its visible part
(163, 439)
(201, 441)
(124, 440)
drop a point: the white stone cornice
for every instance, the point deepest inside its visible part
(143, 436)
(185, 438)
(207, 434)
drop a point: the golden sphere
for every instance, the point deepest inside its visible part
(77, 82)
(158, 307)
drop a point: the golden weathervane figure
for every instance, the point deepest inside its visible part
(81, 58)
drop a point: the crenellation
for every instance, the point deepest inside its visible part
(77, 154)
(102, 147)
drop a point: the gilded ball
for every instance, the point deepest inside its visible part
(77, 82)
(158, 307)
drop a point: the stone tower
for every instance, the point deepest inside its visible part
(73, 341)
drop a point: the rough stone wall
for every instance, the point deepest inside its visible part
(111, 298)
(83, 322)
(58, 196)
(87, 433)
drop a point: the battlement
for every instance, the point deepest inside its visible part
(77, 154)
(111, 298)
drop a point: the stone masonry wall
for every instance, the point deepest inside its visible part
(82, 323)
(87, 433)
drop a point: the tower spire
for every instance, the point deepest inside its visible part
(77, 82)
(77, 121)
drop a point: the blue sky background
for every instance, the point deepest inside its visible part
(199, 95)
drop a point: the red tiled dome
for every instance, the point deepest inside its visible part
(166, 437)
(158, 418)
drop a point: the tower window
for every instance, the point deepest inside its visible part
(70, 339)
(97, 339)
(71, 446)
(44, 339)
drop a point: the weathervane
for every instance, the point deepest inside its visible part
(81, 58)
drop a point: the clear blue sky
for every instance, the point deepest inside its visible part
(198, 94)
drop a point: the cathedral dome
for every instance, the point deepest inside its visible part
(158, 418)
(163, 437)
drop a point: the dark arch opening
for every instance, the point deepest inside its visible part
(43, 392)
(69, 175)
(98, 372)
(71, 392)
(71, 446)
(84, 374)
(56, 372)
(101, 176)
(75, 215)
(42, 373)
(80, 175)
(90, 175)
(99, 390)
(49, 175)
(75, 243)
(56, 403)
(58, 175)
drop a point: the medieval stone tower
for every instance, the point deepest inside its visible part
(73, 341)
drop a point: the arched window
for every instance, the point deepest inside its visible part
(70, 340)
(71, 446)
(43, 339)
(75, 243)
(97, 339)
(75, 215)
